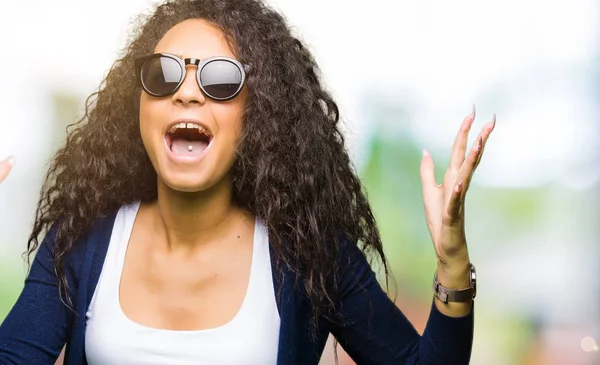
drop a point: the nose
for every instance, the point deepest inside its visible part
(189, 92)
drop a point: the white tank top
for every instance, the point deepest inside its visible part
(251, 337)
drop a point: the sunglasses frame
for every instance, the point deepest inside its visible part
(140, 62)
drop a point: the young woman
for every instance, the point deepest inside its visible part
(205, 211)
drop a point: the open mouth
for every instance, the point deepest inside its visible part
(189, 139)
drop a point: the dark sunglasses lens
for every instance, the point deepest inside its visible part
(161, 75)
(221, 79)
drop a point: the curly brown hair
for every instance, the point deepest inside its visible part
(292, 169)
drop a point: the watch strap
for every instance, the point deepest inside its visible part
(455, 295)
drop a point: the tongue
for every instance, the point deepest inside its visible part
(181, 146)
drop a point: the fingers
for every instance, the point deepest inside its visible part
(6, 166)
(444, 203)
(427, 170)
(475, 154)
(453, 212)
(460, 142)
(485, 137)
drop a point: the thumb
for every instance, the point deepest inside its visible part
(432, 193)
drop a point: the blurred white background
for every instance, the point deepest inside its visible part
(420, 65)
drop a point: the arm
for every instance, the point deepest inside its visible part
(372, 330)
(35, 330)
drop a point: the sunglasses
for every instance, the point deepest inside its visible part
(219, 78)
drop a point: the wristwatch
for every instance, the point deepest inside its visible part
(456, 295)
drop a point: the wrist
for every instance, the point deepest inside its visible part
(456, 256)
(460, 289)
(454, 269)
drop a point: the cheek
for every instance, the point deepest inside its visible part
(230, 127)
(232, 115)
(149, 118)
(144, 118)
(149, 112)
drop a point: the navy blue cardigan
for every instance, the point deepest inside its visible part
(372, 329)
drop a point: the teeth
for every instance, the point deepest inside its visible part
(187, 125)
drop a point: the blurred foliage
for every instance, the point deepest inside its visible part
(11, 283)
(65, 111)
(391, 178)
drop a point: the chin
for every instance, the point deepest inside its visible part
(185, 184)
(192, 181)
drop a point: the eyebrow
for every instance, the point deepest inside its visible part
(199, 59)
(171, 53)
(182, 57)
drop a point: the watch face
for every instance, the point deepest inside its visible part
(473, 280)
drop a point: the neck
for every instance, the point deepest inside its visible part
(188, 220)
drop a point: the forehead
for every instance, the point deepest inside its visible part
(194, 38)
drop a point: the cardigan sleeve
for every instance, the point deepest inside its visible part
(372, 330)
(35, 330)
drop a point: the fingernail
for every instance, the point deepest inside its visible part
(473, 111)
(494, 121)
(458, 188)
(11, 160)
(425, 152)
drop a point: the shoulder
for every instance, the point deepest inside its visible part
(349, 264)
(84, 251)
(354, 268)
(96, 237)
(351, 256)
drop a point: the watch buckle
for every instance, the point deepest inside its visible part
(442, 295)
